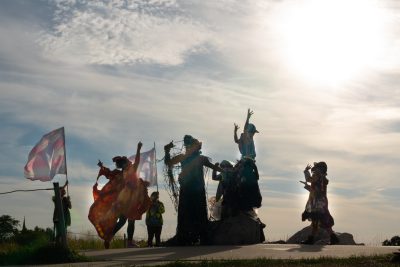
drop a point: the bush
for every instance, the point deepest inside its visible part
(394, 241)
(29, 237)
(41, 254)
(8, 228)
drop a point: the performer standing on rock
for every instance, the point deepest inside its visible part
(246, 142)
(316, 209)
(192, 207)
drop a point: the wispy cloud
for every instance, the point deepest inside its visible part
(116, 72)
(124, 32)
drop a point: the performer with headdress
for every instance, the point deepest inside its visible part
(192, 206)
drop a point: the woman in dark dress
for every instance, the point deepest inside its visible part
(192, 207)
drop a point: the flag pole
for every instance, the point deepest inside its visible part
(65, 160)
(155, 163)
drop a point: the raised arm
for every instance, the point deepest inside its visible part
(167, 158)
(137, 157)
(249, 113)
(214, 167)
(235, 133)
(307, 174)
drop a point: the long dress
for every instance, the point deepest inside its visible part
(124, 194)
(192, 209)
(317, 205)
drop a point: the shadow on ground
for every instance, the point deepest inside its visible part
(158, 254)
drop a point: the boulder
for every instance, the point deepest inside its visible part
(238, 230)
(322, 238)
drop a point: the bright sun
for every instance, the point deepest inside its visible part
(332, 41)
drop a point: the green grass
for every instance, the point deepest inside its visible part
(373, 261)
(38, 253)
(95, 243)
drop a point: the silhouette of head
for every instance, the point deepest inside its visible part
(251, 128)
(154, 195)
(225, 164)
(189, 141)
(321, 166)
(120, 161)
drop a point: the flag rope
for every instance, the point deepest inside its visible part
(27, 190)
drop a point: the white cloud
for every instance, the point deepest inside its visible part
(124, 32)
(109, 111)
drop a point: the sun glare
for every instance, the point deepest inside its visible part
(332, 41)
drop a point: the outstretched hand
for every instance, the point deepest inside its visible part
(236, 127)
(168, 146)
(100, 164)
(249, 113)
(140, 144)
(308, 167)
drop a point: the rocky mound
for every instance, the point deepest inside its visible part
(239, 230)
(322, 237)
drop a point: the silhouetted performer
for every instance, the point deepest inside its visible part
(316, 209)
(228, 189)
(192, 207)
(246, 142)
(124, 197)
(154, 220)
(66, 206)
(123, 163)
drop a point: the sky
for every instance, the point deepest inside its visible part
(321, 77)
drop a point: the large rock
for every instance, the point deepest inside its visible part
(322, 238)
(239, 230)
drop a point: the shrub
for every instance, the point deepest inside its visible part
(8, 228)
(394, 241)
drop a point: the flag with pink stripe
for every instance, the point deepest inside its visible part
(47, 157)
(147, 169)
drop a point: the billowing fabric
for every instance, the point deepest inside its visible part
(47, 157)
(317, 205)
(147, 168)
(124, 194)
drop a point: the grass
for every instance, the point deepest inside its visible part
(95, 243)
(38, 253)
(43, 252)
(373, 261)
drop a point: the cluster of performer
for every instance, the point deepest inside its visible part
(125, 196)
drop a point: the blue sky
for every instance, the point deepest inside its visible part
(321, 77)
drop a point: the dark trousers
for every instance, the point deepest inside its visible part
(121, 222)
(151, 232)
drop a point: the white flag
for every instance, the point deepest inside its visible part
(47, 157)
(147, 169)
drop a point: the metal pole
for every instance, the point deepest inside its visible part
(65, 160)
(60, 216)
(155, 163)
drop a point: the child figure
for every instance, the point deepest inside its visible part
(154, 220)
(246, 142)
(316, 209)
